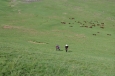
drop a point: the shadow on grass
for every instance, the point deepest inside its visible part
(59, 50)
(69, 51)
(64, 50)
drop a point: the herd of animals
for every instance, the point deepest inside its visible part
(87, 24)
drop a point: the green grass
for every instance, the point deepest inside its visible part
(29, 33)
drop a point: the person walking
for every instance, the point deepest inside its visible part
(66, 47)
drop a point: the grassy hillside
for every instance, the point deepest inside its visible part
(30, 30)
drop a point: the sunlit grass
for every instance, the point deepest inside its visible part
(29, 33)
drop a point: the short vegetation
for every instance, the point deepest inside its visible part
(31, 29)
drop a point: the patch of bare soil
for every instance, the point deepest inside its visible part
(22, 29)
(11, 27)
(80, 35)
(29, 1)
(34, 42)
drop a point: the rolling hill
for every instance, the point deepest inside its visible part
(30, 30)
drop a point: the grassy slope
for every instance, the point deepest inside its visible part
(21, 53)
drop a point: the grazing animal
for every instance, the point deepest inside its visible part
(102, 27)
(83, 24)
(79, 22)
(102, 23)
(63, 22)
(109, 34)
(71, 18)
(90, 27)
(94, 34)
(86, 26)
(85, 21)
(66, 47)
(70, 26)
(93, 25)
(57, 47)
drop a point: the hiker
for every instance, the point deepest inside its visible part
(66, 47)
(57, 47)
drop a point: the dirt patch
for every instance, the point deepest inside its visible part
(34, 42)
(29, 1)
(80, 35)
(21, 29)
(10, 27)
